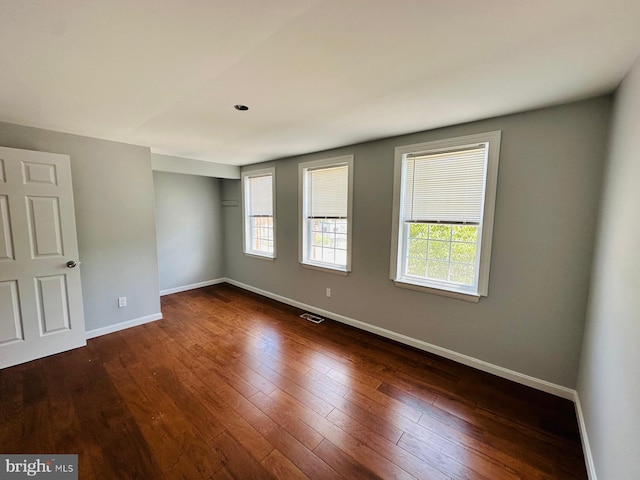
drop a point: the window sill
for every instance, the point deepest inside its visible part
(261, 257)
(467, 297)
(335, 271)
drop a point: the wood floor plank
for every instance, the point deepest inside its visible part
(238, 461)
(289, 420)
(377, 422)
(341, 462)
(306, 397)
(109, 428)
(241, 429)
(418, 403)
(474, 461)
(542, 448)
(517, 446)
(281, 467)
(274, 426)
(349, 377)
(325, 383)
(159, 420)
(356, 449)
(11, 406)
(371, 399)
(230, 385)
(404, 458)
(223, 474)
(473, 440)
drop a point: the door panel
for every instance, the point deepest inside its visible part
(53, 310)
(10, 319)
(41, 309)
(6, 241)
(44, 226)
(39, 173)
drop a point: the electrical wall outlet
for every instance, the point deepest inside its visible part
(122, 302)
(328, 292)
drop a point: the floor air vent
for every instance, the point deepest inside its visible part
(312, 318)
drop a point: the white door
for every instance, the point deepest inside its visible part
(40, 292)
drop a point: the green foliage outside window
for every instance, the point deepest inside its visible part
(418, 230)
(440, 232)
(442, 252)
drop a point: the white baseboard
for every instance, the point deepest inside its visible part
(123, 325)
(184, 288)
(586, 447)
(512, 375)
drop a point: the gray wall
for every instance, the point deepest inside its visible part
(113, 193)
(548, 192)
(189, 229)
(609, 381)
(189, 166)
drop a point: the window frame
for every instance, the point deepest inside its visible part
(398, 238)
(245, 176)
(303, 239)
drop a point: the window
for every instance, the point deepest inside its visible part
(325, 206)
(444, 197)
(259, 205)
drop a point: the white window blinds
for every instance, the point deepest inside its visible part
(260, 193)
(328, 190)
(445, 186)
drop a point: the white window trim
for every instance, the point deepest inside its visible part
(342, 160)
(259, 173)
(493, 138)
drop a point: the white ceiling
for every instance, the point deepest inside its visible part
(316, 74)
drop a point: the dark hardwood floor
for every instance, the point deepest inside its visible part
(233, 385)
